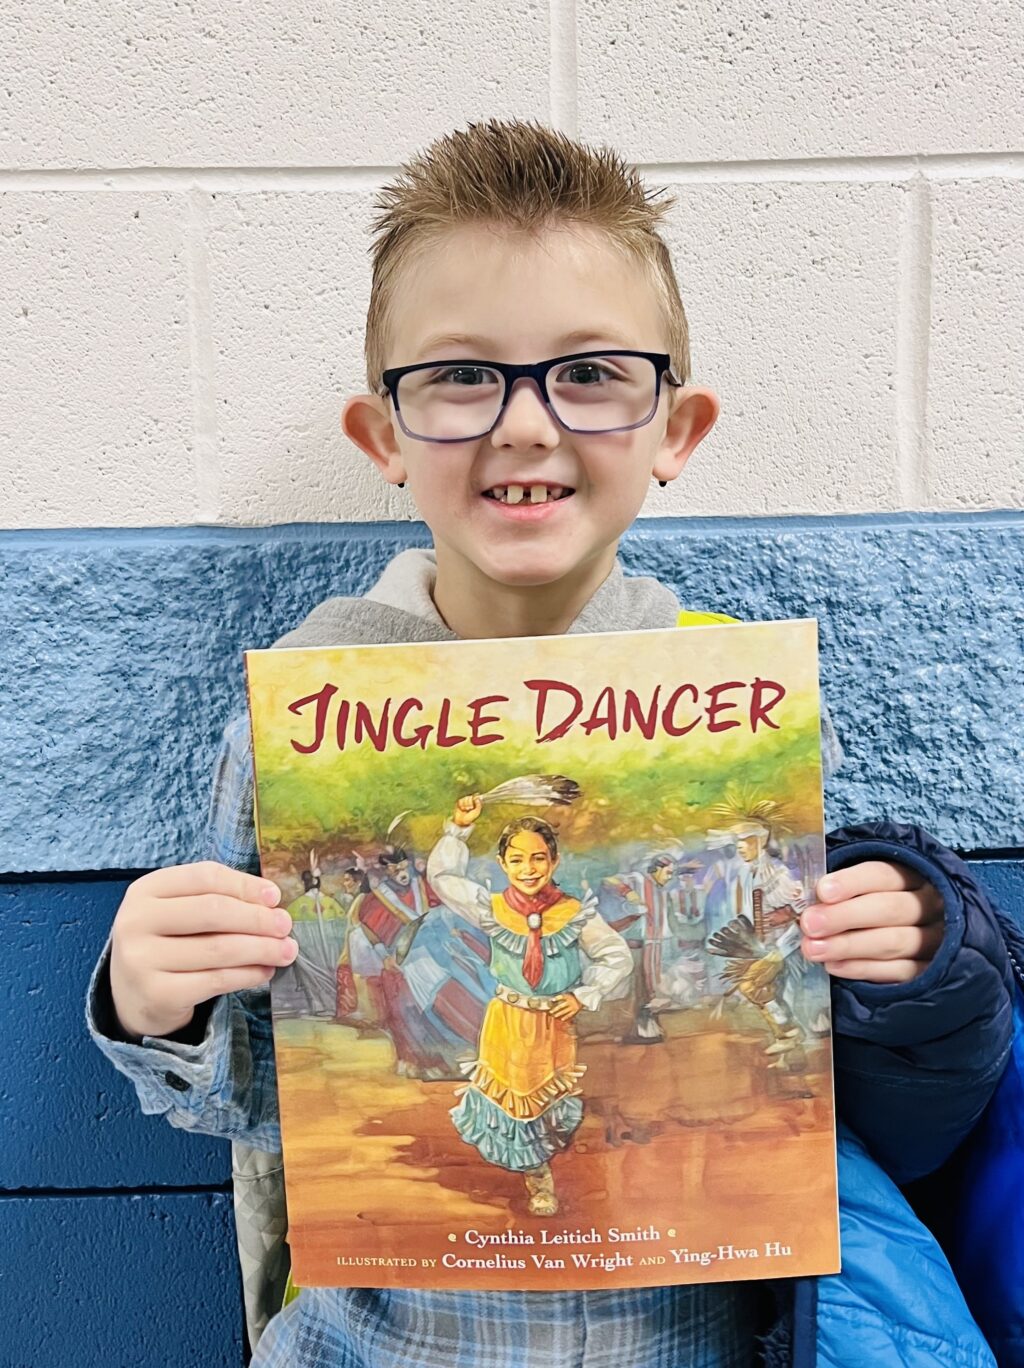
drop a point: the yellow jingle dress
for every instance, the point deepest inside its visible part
(522, 1101)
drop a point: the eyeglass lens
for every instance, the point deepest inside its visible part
(591, 394)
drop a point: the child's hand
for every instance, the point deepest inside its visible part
(467, 810)
(875, 921)
(565, 1006)
(189, 933)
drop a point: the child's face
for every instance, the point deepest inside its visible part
(522, 299)
(528, 862)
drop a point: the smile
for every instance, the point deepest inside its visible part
(531, 494)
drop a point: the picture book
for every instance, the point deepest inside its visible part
(550, 1026)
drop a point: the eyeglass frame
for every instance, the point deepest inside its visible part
(537, 372)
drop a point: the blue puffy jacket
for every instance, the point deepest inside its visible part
(929, 1081)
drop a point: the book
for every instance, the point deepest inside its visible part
(550, 1026)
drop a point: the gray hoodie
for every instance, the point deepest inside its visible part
(400, 608)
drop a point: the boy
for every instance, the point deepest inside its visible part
(528, 363)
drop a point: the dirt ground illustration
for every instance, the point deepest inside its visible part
(694, 1138)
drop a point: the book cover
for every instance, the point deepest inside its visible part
(550, 1026)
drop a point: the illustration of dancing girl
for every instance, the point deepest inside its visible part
(552, 956)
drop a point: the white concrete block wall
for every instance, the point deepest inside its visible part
(185, 193)
(976, 346)
(290, 286)
(790, 291)
(256, 83)
(755, 79)
(96, 420)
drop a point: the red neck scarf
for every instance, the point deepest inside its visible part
(525, 903)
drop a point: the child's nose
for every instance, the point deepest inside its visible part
(527, 421)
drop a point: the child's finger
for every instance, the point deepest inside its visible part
(878, 971)
(880, 943)
(206, 912)
(189, 954)
(182, 881)
(873, 876)
(188, 990)
(870, 909)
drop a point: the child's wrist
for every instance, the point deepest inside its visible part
(135, 1025)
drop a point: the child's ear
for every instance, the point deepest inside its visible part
(366, 421)
(690, 421)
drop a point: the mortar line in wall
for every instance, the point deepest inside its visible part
(359, 179)
(206, 456)
(149, 1190)
(179, 179)
(913, 328)
(563, 72)
(896, 167)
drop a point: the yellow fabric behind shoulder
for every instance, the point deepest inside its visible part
(290, 1291)
(688, 619)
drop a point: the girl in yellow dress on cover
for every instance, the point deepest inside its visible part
(552, 957)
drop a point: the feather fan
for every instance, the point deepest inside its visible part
(535, 790)
(737, 940)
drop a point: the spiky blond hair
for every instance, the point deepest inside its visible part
(519, 175)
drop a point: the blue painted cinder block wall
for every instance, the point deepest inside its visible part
(121, 655)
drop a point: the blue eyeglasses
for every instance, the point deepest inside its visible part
(586, 392)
